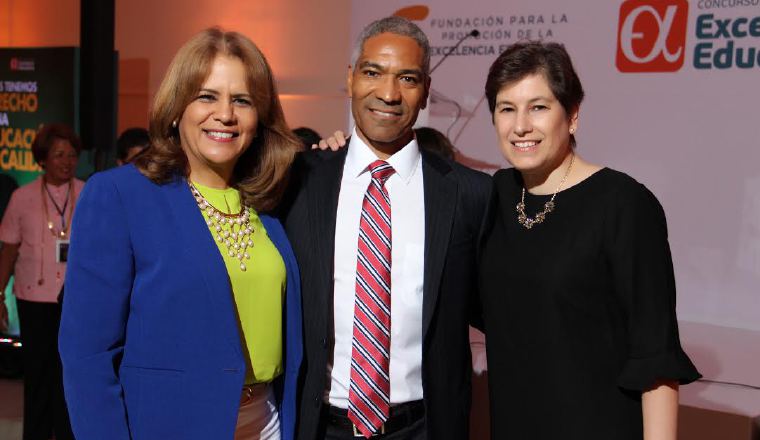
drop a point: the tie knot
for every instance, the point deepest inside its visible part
(381, 170)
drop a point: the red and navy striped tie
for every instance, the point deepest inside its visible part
(369, 392)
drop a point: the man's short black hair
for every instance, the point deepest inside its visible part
(130, 138)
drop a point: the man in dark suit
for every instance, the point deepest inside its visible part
(382, 220)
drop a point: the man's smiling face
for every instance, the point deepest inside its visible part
(388, 87)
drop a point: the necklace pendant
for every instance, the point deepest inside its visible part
(522, 217)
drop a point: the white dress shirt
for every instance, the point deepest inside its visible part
(407, 264)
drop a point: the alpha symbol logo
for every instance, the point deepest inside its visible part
(652, 35)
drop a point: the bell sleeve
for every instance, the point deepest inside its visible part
(642, 268)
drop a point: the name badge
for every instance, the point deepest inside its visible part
(62, 250)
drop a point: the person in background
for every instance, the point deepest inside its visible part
(309, 137)
(433, 140)
(182, 315)
(576, 277)
(7, 186)
(130, 143)
(34, 235)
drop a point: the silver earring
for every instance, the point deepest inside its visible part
(572, 130)
(174, 123)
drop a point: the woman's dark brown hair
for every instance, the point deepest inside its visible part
(47, 135)
(261, 173)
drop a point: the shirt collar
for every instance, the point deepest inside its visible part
(360, 156)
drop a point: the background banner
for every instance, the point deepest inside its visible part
(672, 93)
(37, 86)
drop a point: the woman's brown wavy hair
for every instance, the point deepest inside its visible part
(261, 173)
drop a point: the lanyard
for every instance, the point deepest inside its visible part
(60, 235)
(61, 210)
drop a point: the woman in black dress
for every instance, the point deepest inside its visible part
(576, 276)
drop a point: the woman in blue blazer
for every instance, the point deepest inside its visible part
(182, 317)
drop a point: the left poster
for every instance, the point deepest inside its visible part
(37, 86)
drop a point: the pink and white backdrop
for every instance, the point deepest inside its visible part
(672, 98)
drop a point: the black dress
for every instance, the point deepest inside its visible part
(579, 311)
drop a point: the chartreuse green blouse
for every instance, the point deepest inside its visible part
(259, 291)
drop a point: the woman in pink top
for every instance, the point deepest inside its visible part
(34, 235)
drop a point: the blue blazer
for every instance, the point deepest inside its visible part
(149, 335)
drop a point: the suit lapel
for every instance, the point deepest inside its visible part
(323, 187)
(440, 204)
(202, 251)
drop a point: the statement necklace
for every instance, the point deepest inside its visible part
(234, 231)
(523, 219)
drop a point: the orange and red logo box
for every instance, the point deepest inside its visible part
(652, 35)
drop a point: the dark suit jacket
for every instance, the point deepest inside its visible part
(455, 201)
(149, 335)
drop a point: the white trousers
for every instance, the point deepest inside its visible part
(258, 418)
